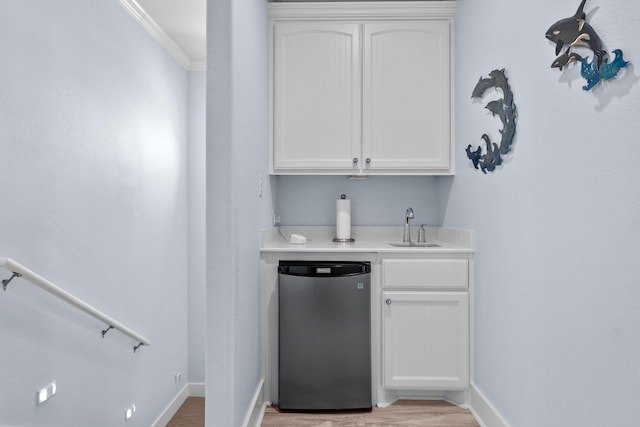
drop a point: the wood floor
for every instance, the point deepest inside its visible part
(190, 414)
(403, 413)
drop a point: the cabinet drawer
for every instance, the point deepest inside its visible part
(421, 273)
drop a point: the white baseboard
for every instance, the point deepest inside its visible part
(256, 409)
(389, 397)
(189, 390)
(196, 389)
(172, 408)
(483, 411)
(481, 408)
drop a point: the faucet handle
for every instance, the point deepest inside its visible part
(422, 238)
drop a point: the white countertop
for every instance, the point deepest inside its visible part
(367, 239)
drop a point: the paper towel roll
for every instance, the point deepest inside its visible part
(343, 219)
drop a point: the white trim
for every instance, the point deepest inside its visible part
(198, 66)
(480, 407)
(256, 409)
(196, 389)
(483, 410)
(362, 10)
(189, 390)
(172, 408)
(151, 27)
(134, 9)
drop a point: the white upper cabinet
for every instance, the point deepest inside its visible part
(361, 88)
(317, 103)
(406, 96)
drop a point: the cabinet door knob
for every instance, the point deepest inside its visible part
(368, 160)
(388, 301)
(355, 160)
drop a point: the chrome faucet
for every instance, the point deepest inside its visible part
(407, 227)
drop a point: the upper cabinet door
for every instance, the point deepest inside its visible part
(406, 96)
(317, 97)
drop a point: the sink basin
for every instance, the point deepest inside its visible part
(415, 245)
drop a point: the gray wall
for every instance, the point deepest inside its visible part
(556, 322)
(197, 226)
(237, 146)
(93, 160)
(309, 200)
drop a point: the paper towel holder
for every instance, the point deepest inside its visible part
(342, 239)
(336, 240)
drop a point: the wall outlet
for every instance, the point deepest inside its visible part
(178, 377)
(276, 219)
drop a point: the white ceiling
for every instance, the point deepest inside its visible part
(184, 21)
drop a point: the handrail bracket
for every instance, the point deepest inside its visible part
(5, 282)
(104, 332)
(136, 347)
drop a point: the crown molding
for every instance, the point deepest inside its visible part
(198, 66)
(159, 35)
(362, 10)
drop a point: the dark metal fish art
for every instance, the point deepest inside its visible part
(481, 86)
(575, 31)
(565, 59)
(492, 158)
(505, 109)
(475, 156)
(497, 107)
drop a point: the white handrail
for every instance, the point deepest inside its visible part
(20, 270)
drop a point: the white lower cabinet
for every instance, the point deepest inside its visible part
(425, 328)
(425, 340)
(420, 321)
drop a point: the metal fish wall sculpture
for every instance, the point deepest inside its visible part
(505, 109)
(575, 31)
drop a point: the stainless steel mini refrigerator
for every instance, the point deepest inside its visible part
(324, 335)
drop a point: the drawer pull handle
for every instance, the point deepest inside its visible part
(388, 301)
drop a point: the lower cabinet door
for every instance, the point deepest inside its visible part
(425, 340)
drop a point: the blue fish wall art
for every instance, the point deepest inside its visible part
(574, 32)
